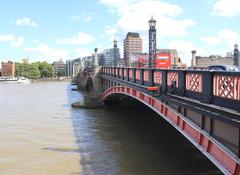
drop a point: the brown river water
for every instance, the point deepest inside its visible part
(40, 134)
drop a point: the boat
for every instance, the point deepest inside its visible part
(14, 80)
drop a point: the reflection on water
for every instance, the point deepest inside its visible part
(41, 134)
(34, 117)
(132, 139)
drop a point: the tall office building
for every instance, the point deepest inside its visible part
(112, 56)
(108, 57)
(132, 46)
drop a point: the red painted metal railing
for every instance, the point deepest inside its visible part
(172, 77)
(219, 88)
(194, 82)
(138, 74)
(226, 86)
(146, 75)
(130, 73)
(157, 77)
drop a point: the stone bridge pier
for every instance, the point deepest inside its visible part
(90, 83)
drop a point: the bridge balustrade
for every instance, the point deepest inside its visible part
(211, 87)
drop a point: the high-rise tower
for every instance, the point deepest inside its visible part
(132, 46)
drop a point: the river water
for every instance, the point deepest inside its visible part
(40, 134)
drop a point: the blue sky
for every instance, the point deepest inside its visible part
(67, 29)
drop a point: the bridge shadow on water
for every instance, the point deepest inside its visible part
(129, 138)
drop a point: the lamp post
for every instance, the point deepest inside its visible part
(236, 55)
(152, 43)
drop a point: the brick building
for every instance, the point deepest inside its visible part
(8, 69)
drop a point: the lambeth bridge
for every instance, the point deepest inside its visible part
(204, 106)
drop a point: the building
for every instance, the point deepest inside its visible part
(132, 46)
(109, 57)
(175, 59)
(69, 68)
(59, 68)
(101, 60)
(8, 69)
(199, 61)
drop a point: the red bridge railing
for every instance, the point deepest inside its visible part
(212, 87)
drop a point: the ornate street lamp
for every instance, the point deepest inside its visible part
(152, 43)
(236, 55)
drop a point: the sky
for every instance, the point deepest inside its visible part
(50, 30)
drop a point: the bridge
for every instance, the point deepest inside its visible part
(202, 105)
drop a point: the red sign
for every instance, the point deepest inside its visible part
(163, 61)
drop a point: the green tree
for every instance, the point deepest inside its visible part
(46, 69)
(27, 70)
(61, 73)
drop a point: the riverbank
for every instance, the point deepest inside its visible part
(52, 79)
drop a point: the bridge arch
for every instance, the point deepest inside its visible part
(210, 147)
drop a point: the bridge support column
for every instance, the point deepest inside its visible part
(92, 83)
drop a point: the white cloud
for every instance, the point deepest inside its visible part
(230, 37)
(80, 39)
(228, 8)
(134, 16)
(77, 17)
(15, 41)
(85, 17)
(225, 37)
(88, 18)
(81, 52)
(25, 21)
(43, 51)
(110, 33)
(211, 40)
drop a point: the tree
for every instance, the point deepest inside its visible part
(27, 70)
(46, 69)
(61, 73)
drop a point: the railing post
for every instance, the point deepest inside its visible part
(122, 69)
(117, 72)
(164, 81)
(207, 87)
(128, 74)
(134, 75)
(181, 82)
(141, 76)
(151, 77)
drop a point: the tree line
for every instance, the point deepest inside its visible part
(34, 70)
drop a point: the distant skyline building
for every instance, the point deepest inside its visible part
(108, 57)
(132, 46)
(211, 60)
(111, 57)
(8, 69)
(101, 59)
(69, 68)
(59, 68)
